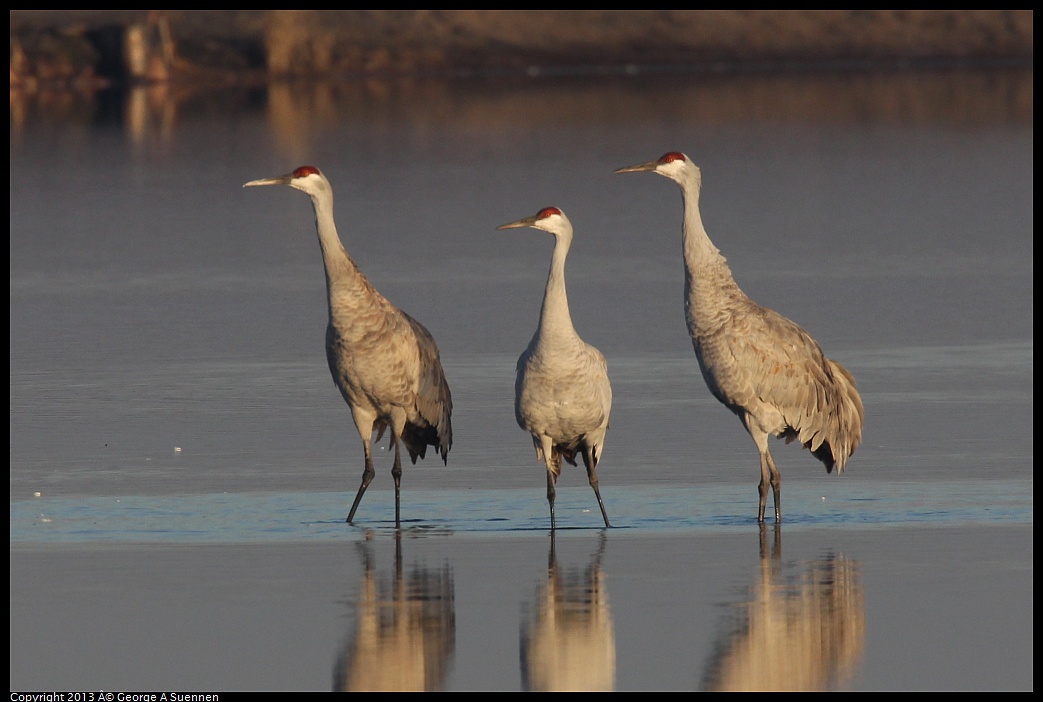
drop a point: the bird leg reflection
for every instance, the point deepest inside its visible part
(802, 627)
(568, 640)
(776, 549)
(404, 633)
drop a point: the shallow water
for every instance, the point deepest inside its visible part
(293, 516)
(181, 464)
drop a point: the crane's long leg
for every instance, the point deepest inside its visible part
(769, 476)
(396, 473)
(592, 474)
(553, 460)
(367, 478)
(769, 473)
(550, 495)
(776, 487)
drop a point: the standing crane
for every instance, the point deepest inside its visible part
(561, 394)
(762, 366)
(385, 363)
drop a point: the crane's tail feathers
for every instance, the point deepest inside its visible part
(418, 452)
(851, 415)
(835, 431)
(418, 438)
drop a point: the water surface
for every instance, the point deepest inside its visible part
(181, 464)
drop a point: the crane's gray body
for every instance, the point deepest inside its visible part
(562, 397)
(385, 363)
(762, 366)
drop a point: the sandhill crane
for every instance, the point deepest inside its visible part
(562, 393)
(385, 363)
(762, 366)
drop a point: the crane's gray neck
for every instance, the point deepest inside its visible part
(555, 320)
(708, 279)
(699, 251)
(342, 275)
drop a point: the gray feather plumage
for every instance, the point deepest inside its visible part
(765, 368)
(563, 397)
(385, 363)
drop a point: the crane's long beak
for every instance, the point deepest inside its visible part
(527, 222)
(650, 166)
(281, 180)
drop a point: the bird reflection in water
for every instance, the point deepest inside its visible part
(805, 634)
(405, 629)
(568, 643)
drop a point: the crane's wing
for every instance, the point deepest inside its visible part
(774, 372)
(434, 402)
(566, 396)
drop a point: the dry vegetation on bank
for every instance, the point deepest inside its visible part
(90, 48)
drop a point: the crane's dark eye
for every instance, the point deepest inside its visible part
(547, 212)
(305, 171)
(671, 157)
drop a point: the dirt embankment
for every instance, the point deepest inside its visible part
(93, 47)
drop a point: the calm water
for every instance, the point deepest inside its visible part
(171, 410)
